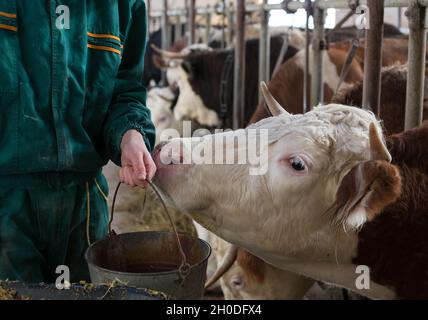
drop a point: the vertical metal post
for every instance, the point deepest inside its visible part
(416, 74)
(230, 24)
(239, 75)
(223, 29)
(318, 46)
(191, 22)
(399, 20)
(208, 25)
(306, 86)
(165, 34)
(149, 15)
(187, 13)
(165, 25)
(177, 33)
(373, 57)
(264, 43)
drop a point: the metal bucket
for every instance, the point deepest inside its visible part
(152, 262)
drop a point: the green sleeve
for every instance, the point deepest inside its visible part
(128, 108)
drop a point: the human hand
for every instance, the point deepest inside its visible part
(137, 163)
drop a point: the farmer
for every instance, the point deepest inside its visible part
(70, 99)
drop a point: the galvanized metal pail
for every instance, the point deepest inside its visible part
(152, 262)
(172, 263)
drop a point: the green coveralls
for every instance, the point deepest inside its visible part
(67, 96)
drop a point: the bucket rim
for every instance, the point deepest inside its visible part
(150, 273)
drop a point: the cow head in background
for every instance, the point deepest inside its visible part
(290, 212)
(181, 69)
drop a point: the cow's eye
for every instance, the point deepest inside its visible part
(297, 164)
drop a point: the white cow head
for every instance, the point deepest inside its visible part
(287, 210)
(190, 105)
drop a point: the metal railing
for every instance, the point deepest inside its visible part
(416, 14)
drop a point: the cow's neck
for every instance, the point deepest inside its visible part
(191, 106)
(328, 259)
(328, 244)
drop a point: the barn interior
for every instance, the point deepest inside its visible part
(203, 65)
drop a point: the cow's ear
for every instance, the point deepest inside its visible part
(365, 191)
(159, 62)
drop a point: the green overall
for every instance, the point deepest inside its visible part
(70, 87)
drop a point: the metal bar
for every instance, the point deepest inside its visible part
(177, 33)
(342, 4)
(264, 56)
(239, 75)
(185, 12)
(295, 5)
(250, 8)
(208, 25)
(223, 29)
(149, 15)
(373, 57)
(306, 86)
(165, 35)
(318, 47)
(192, 24)
(399, 19)
(165, 26)
(230, 24)
(416, 75)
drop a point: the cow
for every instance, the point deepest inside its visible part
(287, 83)
(392, 111)
(287, 87)
(205, 81)
(330, 203)
(250, 278)
(393, 97)
(151, 73)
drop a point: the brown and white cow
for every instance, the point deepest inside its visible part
(392, 111)
(205, 81)
(328, 190)
(287, 87)
(287, 83)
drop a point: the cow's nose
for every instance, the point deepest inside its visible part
(159, 147)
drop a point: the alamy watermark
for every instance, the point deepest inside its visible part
(362, 282)
(63, 20)
(225, 147)
(62, 282)
(362, 19)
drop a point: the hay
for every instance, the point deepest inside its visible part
(9, 294)
(129, 215)
(134, 216)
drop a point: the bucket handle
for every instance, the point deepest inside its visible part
(184, 268)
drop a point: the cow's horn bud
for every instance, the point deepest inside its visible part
(274, 107)
(378, 148)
